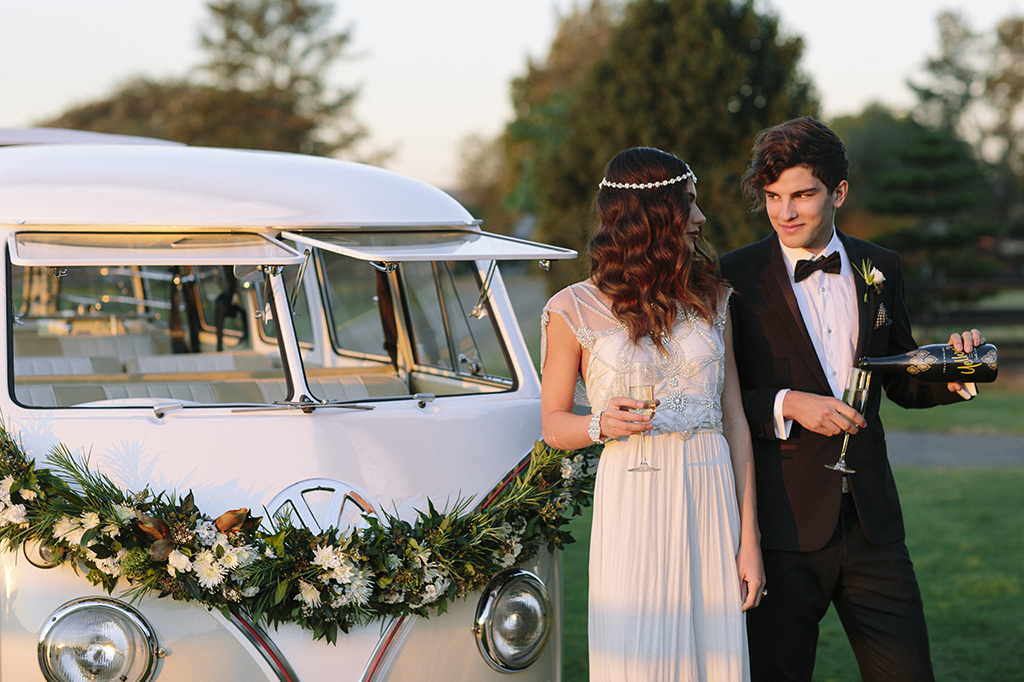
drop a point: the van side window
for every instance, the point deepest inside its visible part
(445, 334)
(353, 305)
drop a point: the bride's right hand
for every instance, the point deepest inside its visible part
(617, 420)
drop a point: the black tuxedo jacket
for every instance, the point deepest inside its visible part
(798, 498)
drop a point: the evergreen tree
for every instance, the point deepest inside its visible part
(937, 181)
(697, 78)
(281, 51)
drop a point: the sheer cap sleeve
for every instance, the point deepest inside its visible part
(582, 308)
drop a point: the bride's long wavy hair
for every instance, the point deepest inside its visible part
(638, 254)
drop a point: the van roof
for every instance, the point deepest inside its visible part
(173, 186)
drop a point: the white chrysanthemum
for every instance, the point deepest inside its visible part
(112, 564)
(124, 514)
(5, 489)
(208, 570)
(221, 540)
(12, 514)
(75, 535)
(232, 558)
(64, 526)
(27, 494)
(176, 561)
(90, 520)
(243, 555)
(361, 589)
(393, 562)
(431, 593)
(112, 530)
(308, 594)
(325, 557)
(566, 468)
(345, 573)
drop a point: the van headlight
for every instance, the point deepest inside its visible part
(97, 640)
(513, 620)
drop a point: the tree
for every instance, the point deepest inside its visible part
(194, 114)
(870, 139)
(542, 97)
(264, 86)
(698, 78)
(956, 76)
(481, 167)
(281, 51)
(921, 191)
(494, 178)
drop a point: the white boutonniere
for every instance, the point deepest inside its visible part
(871, 275)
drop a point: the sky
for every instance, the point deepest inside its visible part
(433, 72)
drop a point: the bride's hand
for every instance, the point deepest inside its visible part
(617, 421)
(751, 569)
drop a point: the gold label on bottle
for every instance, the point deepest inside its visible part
(920, 361)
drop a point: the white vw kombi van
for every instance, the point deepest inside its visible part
(256, 407)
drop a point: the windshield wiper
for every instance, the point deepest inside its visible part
(307, 406)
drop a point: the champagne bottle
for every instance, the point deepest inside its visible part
(942, 363)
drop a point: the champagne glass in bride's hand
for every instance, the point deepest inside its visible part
(856, 396)
(641, 387)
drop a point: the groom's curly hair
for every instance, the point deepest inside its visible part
(639, 256)
(800, 142)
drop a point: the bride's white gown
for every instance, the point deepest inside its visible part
(664, 590)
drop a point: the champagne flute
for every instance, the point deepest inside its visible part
(641, 387)
(856, 396)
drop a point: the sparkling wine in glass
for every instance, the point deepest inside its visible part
(641, 387)
(856, 396)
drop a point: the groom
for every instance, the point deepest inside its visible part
(809, 301)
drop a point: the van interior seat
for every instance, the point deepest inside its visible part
(122, 346)
(198, 362)
(54, 365)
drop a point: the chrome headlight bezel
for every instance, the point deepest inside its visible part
(127, 619)
(491, 601)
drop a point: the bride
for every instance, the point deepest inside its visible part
(674, 554)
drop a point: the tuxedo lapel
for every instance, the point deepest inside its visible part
(780, 291)
(865, 298)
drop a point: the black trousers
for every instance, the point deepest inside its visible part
(876, 596)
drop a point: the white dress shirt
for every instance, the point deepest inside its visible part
(828, 305)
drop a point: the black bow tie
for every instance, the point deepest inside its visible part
(830, 264)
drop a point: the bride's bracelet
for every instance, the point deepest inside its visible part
(594, 431)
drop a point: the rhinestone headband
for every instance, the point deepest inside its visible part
(648, 185)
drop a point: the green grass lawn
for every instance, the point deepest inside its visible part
(993, 411)
(965, 531)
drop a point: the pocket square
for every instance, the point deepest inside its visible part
(882, 319)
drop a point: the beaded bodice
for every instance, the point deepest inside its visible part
(691, 371)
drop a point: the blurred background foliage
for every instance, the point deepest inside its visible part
(941, 183)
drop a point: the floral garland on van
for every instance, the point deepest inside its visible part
(163, 544)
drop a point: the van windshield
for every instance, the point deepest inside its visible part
(117, 335)
(201, 335)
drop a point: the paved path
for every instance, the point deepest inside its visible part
(910, 448)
